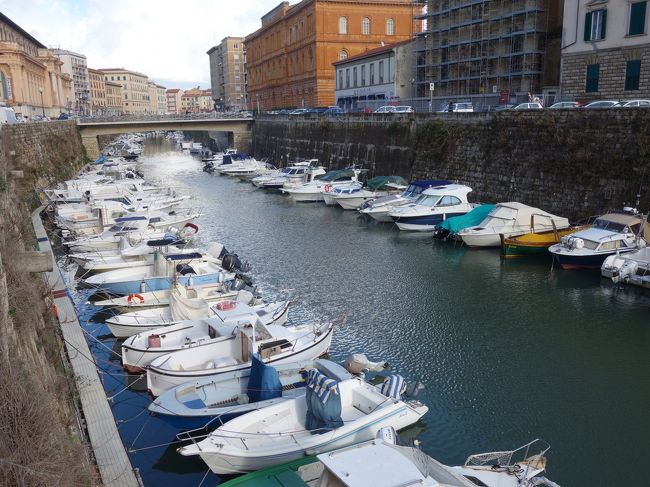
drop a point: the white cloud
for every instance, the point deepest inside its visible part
(164, 39)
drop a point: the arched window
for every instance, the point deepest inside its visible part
(390, 27)
(365, 26)
(343, 55)
(343, 25)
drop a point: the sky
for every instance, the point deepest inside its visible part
(165, 39)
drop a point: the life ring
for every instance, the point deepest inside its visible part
(192, 226)
(132, 297)
(226, 305)
(327, 188)
(151, 227)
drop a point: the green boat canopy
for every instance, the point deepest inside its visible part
(456, 223)
(377, 182)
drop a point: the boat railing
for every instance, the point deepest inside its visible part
(530, 454)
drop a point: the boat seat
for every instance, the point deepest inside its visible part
(221, 362)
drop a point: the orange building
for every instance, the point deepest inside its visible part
(289, 59)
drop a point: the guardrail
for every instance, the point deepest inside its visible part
(156, 118)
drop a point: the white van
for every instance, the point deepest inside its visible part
(7, 115)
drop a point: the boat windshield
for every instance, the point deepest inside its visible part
(590, 244)
(427, 199)
(336, 176)
(412, 191)
(611, 226)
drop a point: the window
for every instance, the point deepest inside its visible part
(354, 76)
(347, 78)
(363, 75)
(340, 79)
(593, 71)
(343, 25)
(390, 27)
(235, 57)
(449, 201)
(637, 18)
(372, 73)
(235, 46)
(381, 72)
(343, 55)
(595, 23)
(632, 72)
(365, 26)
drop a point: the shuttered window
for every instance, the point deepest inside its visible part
(595, 24)
(593, 72)
(632, 72)
(637, 18)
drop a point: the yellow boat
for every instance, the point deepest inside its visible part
(530, 244)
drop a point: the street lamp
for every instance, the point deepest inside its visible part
(42, 103)
(258, 102)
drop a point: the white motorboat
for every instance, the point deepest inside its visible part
(296, 172)
(245, 335)
(433, 206)
(374, 188)
(610, 234)
(329, 192)
(313, 190)
(379, 208)
(510, 219)
(628, 268)
(313, 173)
(141, 349)
(333, 414)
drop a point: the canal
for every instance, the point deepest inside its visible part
(508, 352)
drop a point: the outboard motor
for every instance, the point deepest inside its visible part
(230, 262)
(413, 388)
(358, 363)
(185, 269)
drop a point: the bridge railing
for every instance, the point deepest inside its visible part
(136, 117)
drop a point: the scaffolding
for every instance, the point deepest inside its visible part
(482, 47)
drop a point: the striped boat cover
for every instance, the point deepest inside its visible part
(322, 385)
(393, 386)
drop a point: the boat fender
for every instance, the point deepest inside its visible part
(151, 227)
(133, 297)
(226, 305)
(327, 188)
(191, 226)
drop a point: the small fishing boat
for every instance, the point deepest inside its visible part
(379, 208)
(510, 219)
(610, 234)
(383, 463)
(534, 244)
(376, 187)
(628, 268)
(434, 205)
(244, 335)
(313, 190)
(333, 414)
(451, 226)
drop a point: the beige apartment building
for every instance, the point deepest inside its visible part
(75, 66)
(157, 98)
(228, 74)
(113, 98)
(174, 100)
(31, 79)
(135, 89)
(197, 100)
(97, 92)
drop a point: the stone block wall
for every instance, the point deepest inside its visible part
(576, 163)
(611, 83)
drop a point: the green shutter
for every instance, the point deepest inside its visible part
(593, 71)
(588, 17)
(637, 18)
(632, 73)
(604, 24)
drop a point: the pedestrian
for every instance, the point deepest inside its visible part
(450, 106)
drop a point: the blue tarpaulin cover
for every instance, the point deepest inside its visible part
(264, 381)
(456, 223)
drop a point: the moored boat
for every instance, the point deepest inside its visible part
(534, 243)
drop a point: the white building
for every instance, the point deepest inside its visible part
(605, 50)
(376, 77)
(76, 66)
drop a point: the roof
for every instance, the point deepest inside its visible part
(122, 70)
(19, 29)
(173, 90)
(372, 52)
(623, 218)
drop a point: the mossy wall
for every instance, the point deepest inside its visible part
(576, 163)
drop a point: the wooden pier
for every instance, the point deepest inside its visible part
(111, 457)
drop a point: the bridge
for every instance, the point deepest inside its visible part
(237, 126)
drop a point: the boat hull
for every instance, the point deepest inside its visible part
(422, 223)
(582, 261)
(158, 283)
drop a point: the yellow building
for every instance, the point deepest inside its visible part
(97, 85)
(174, 102)
(196, 100)
(31, 80)
(114, 104)
(135, 89)
(157, 98)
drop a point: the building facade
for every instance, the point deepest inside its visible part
(157, 98)
(605, 50)
(76, 66)
(31, 79)
(98, 102)
(228, 74)
(113, 98)
(135, 89)
(503, 49)
(173, 96)
(196, 100)
(376, 77)
(289, 59)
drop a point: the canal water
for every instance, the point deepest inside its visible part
(508, 352)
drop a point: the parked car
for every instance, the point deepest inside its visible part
(362, 110)
(501, 108)
(636, 103)
(603, 104)
(299, 111)
(7, 115)
(457, 107)
(386, 109)
(63, 116)
(566, 104)
(335, 110)
(529, 106)
(404, 109)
